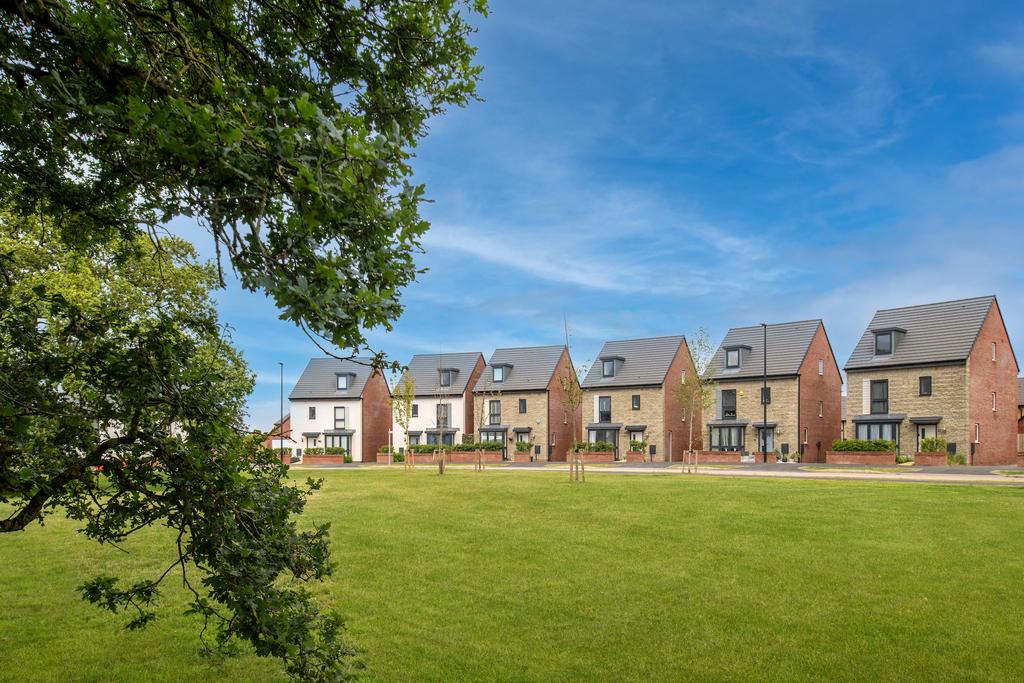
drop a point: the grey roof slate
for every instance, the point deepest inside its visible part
(787, 346)
(645, 362)
(424, 367)
(935, 333)
(532, 368)
(319, 379)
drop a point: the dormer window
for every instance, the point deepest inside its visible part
(883, 343)
(446, 378)
(732, 358)
(342, 382)
(499, 373)
(608, 368)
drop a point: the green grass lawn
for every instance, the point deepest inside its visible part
(524, 576)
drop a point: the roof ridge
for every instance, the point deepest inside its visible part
(788, 322)
(636, 339)
(523, 348)
(938, 303)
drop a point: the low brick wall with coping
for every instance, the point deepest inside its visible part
(939, 459)
(860, 458)
(597, 456)
(636, 456)
(323, 459)
(719, 456)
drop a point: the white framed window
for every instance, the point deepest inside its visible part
(342, 382)
(805, 435)
(339, 417)
(993, 350)
(993, 401)
(310, 442)
(821, 409)
(499, 374)
(682, 377)
(821, 367)
(977, 432)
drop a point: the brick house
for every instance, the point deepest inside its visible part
(1020, 414)
(945, 369)
(443, 408)
(521, 399)
(280, 435)
(341, 404)
(803, 397)
(629, 395)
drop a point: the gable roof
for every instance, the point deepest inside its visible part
(934, 333)
(644, 362)
(788, 344)
(319, 379)
(425, 368)
(532, 368)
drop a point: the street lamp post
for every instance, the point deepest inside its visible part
(764, 395)
(280, 424)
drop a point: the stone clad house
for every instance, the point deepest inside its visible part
(443, 408)
(803, 396)
(341, 404)
(944, 369)
(629, 396)
(522, 400)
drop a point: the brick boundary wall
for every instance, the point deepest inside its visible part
(323, 459)
(635, 456)
(719, 456)
(931, 459)
(593, 456)
(860, 458)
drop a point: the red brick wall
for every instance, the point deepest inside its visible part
(673, 408)
(559, 428)
(860, 458)
(376, 415)
(468, 402)
(286, 429)
(998, 444)
(828, 389)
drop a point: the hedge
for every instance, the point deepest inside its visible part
(933, 444)
(595, 446)
(523, 447)
(876, 445)
(638, 445)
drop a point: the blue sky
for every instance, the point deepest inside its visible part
(648, 168)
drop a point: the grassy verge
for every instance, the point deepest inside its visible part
(524, 576)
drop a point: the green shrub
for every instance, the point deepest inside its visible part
(638, 445)
(595, 446)
(335, 450)
(398, 457)
(347, 457)
(876, 445)
(477, 446)
(384, 449)
(523, 447)
(933, 444)
(956, 459)
(467, 440)
(900, 458)
(426, 447)
(314, 451)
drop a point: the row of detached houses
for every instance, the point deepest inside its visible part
(937, 370)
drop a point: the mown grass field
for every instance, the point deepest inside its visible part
(524, 576)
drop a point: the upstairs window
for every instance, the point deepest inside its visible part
(604, 409)
(821, 367)
(766, 395)
(993, 400)
(682, 377)
(442, 414)
(636, 401)
(608, 368)
(728, 404)
(499, 374)
(446, 378)
(415, 410)
(821, 409)
(494, 412)
(883, 343)
(312, 412)
(339, 418)
(993, 350)
(879, 397)
(342, 382)
(732, 358)
(522, 405)
(924, 385)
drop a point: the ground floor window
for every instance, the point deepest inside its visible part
(769, 445)
(727, 438)
(490, 436)
(414, 439)
(338, 441)
(448, 438)
(889, 431)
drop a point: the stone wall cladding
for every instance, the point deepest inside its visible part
(559, 420)
(535, 417)
(828, 389)
(376, 417)
(998, 444)
(651, 414)
(783, 410)
(948, 401)
(674, 421)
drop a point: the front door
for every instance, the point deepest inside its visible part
(925, 432)
(769, 445)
